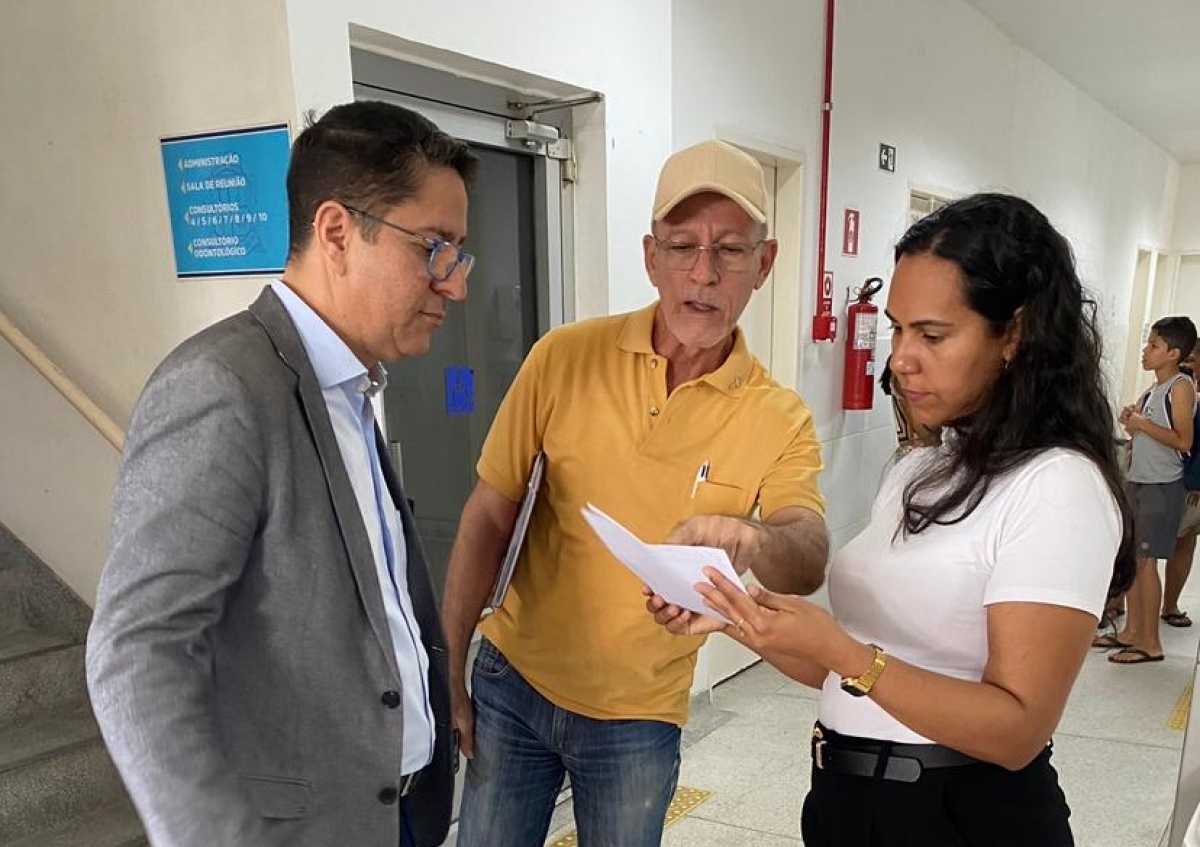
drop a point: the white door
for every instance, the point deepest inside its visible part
(722, 657)
(758, 319)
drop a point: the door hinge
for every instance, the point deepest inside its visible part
(563, 151)
(544, 140)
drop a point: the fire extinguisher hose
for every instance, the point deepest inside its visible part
(868, 289)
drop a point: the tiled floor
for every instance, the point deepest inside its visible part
(1115, 749)
(1117, 757)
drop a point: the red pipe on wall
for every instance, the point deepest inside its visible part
(824, 321)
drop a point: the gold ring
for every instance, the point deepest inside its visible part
(738, 625)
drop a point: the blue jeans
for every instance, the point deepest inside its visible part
(623, 772)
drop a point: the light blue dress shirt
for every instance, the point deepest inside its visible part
(347, 387)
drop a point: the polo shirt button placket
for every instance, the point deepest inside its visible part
(654, 411)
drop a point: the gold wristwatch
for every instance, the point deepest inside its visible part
(860, 686)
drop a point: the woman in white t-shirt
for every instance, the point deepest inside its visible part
(963, 612)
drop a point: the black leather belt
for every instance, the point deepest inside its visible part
(408, 782)
(880, 759)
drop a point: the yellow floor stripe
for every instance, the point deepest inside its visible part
(1179, 716)
(684, 801)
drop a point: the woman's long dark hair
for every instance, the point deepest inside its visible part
(1016, 267)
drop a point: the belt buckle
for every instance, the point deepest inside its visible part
(819, 748)
(407, 782)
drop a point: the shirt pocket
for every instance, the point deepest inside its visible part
(719, 498)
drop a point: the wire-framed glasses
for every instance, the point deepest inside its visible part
(444, 257)
(729, 256)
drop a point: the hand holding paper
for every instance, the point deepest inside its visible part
(670, 570)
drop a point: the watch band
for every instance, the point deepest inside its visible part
(860, 686)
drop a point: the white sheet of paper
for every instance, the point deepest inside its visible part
(671, 570)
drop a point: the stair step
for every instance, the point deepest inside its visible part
(46, 792)
(115, 825)
(21, 643)
(45, 735)
(12, 591)
(40, 672)
(32, 596)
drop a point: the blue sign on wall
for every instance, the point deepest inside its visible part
(227, 196)
(460, 391)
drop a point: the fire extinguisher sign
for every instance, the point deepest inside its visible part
(864, 331)
(850, 233)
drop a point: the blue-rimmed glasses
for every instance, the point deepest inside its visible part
(444, 257)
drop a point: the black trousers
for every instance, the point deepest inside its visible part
(977, 805)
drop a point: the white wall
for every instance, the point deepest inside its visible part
(1186, 237)
(89, 272)
(620, 48)
(967, 110)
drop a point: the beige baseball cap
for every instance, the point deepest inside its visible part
(712, 166)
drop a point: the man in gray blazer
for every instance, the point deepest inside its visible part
(266, 662)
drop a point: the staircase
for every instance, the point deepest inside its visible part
(58, 787)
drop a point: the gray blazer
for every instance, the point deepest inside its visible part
(239, 661)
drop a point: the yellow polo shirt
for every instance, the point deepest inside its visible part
(593, 396)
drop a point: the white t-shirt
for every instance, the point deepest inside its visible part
(1047, 532)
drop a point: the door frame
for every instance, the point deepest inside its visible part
(787, 305)
(550, 210)
(377, 76)
(1141, 300)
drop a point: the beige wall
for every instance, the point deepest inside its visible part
(87, 90)
(63, 472)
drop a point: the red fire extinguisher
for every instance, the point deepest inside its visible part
(862, 317)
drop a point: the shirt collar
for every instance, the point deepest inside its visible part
(730, 378)
(332, 361)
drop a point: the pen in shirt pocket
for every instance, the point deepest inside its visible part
(701, 476)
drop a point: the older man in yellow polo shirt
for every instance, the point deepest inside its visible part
(574, 676)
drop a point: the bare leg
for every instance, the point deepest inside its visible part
(1142, 603)
(1178, 568)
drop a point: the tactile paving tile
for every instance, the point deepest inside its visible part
(684, 801)
(1179, 716)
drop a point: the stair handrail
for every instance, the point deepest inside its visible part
(53, 374)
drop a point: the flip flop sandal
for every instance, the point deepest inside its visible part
(1109, 642)
(1141, 656)
(1179, 619)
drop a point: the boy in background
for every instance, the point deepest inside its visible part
(1160, 425)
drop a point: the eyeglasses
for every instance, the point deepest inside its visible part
(731, 257)
(444, 257)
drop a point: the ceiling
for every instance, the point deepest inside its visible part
(1140, 58)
